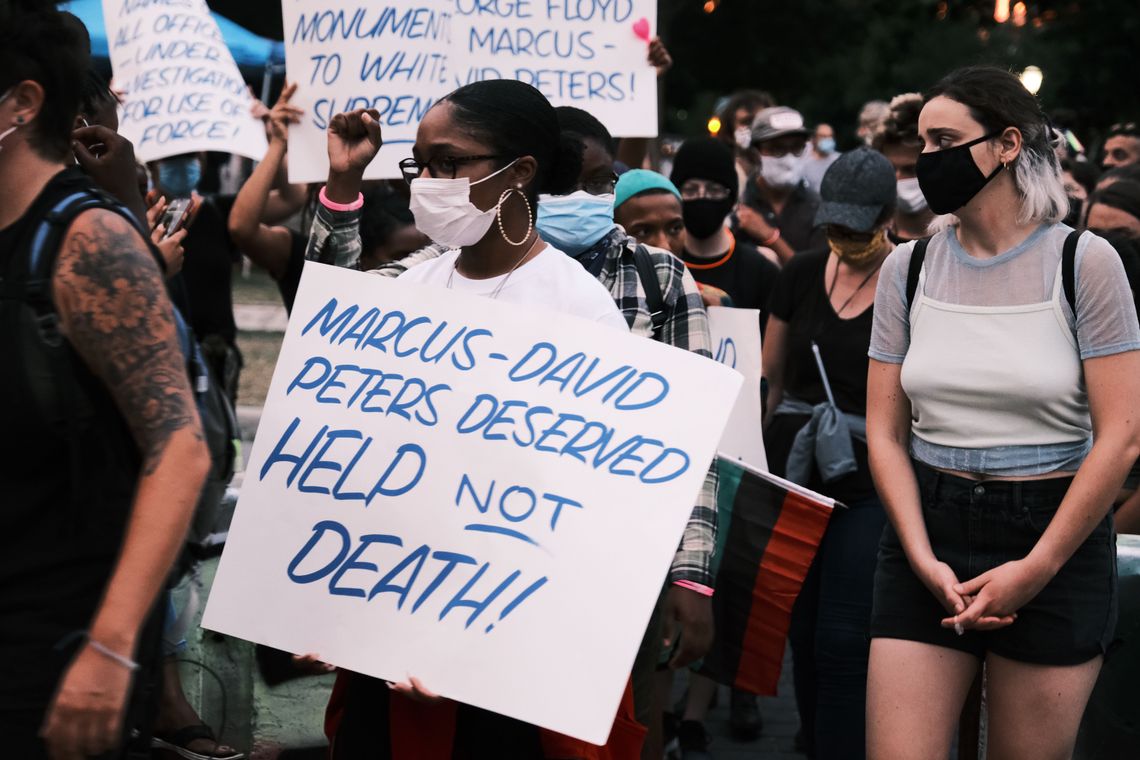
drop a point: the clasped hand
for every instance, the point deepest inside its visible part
(992, 599)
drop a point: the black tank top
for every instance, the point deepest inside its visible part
(67, 489)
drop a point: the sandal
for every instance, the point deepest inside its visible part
(178, 742)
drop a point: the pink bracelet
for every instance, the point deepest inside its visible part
(700, 588)
(332, 206)
(775, 236)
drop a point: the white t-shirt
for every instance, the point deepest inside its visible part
(551, 280)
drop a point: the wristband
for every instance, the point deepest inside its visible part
(765, 243)
(700, 588)
(126, 662)
(333, 206)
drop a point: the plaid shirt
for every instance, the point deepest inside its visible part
(335, 239)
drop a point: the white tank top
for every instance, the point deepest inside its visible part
(989, 377)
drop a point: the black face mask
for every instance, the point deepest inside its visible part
(949, 178)
(703, 217)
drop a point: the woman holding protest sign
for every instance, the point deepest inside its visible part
(482, 156)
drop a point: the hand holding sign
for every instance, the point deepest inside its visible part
(441, 483)
(415, 691)
(659, 57)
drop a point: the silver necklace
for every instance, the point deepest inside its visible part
(498, 288)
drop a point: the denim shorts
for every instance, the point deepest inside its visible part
(976, 526)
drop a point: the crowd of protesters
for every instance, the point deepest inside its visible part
(949, 320)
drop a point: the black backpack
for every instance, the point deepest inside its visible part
(654, 299)
(50, 375)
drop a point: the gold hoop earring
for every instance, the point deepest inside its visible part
(529, 215)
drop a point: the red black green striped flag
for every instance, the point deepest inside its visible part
(770, 530)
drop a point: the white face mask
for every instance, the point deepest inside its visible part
(743, 137)
(783, 172)
(911, 199)
(12, 128)
(444, 212)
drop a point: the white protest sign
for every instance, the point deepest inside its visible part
(484, 496)
(184, 93)
(736, 343)
(401, 56)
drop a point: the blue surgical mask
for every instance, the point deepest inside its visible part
(179, 177)
(573, 223)
(826, 146)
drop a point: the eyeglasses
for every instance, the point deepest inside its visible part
(696, 190)
(440, 167)
(598, 185)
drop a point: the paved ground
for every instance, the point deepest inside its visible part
(781, 721)
(259, 317)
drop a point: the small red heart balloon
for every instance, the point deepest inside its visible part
(641, 28)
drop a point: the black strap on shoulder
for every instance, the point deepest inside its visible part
(917, 257)
(51, 368)
(647, 273)
(1069, 270)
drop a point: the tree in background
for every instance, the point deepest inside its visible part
(827, 57)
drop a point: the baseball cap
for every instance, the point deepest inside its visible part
(856, 189)
(777, 121)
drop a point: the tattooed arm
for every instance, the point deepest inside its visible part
(114, 309)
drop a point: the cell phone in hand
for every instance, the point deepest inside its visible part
(177, 215)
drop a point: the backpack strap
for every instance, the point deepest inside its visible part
(1069, 270)
(64, 403)
(654, 299)
(917, 257)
